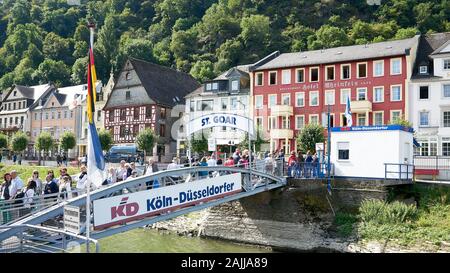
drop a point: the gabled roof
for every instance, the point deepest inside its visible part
(341, 54)
(428, 44)
(441, 48)
(163, 84)
(241, 69)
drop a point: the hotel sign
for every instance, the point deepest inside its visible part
(329, 85)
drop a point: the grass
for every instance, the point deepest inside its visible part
(406, 224)
(25, 171)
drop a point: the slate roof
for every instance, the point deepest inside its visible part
(429, 43)
(341, 54)
(162, 83)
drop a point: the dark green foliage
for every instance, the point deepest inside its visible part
(202, 37)
(68, 141)
(309, 136)
(3, 141)
(19, 142)
(146, 140)
(106, 139)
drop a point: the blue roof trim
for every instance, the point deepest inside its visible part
(372, 128)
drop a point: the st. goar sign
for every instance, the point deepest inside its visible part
(219, 120)
(134, 206)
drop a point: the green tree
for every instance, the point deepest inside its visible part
(3, 141)
(79, 71)
(401, 121)
(57, 48)
(68, 141)
(19, 142)
(328, 37)
(146, 140)
(202, 70)
(53, 71)
(309, 136)
(199, 144)
(106, 139)
(44, 143)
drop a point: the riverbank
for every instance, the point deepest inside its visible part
(415, 218)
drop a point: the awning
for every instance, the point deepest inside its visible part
(416, 144)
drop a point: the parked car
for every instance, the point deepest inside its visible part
(127, 153)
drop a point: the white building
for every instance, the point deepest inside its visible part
(372, 152)
(228, 93)
(429, 99)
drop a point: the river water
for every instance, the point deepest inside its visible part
(152, 241)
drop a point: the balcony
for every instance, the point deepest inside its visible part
(361, 106)
(281, 110)
(281, 133)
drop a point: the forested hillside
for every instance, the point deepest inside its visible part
(47, 40)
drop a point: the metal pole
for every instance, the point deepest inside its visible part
(328, 152)
(88, 184)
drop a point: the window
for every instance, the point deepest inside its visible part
(447, 64)
(259, 122)
(259, 101)
(215, 86)
(46, 115)
(15, 93)
(111, 115)
(286, 99)
(128, 76)
(234, 103)
(272, 123)
(35, 116)
(378, 68)
(299, 122)
(343, 150)
(286, 77)
(314, 98)
(163, 113)
(433, 148)
(272, 100)
(128, 95)
(329, 73)
(446, 118)
(329, 97)
(314, 119)
(361, 93)
(345, 93)
(14, 106)
(123, 114)
(423, 93)
(300, 75)
(446, 90)
(205, 105)
(259, 78)
(446, 148)
(224, 103)
(53, 115)
(272, 78)
(299, 99)
(123, 130)
(361, 120)
(378, 118)
(424, 118)
(136, 113)
(396, 93)
(208, 86)
(16, 120)
(192, 106)
(345, 72)
(285, 122)
(59, 114)
(162, 130)
(148, 112)
(423, 69)
(396, 66)
(71, 114)
(20, 105)
(362, 70)
(378, 94)
(395, 115)
(314, 74)
(235, 85)
(65, 114)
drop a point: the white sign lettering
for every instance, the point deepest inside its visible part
(134, 206)
(219, 120)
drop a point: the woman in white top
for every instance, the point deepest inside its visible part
(82, 179)
(30, 191)
(65, 188)
(35, 178)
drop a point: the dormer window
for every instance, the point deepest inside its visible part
(423, 69)
(128, 76)
(447, 64)
(234, 85)
(215, 86)
(15, 93)
(208, 86)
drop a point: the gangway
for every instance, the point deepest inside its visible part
(251, 181)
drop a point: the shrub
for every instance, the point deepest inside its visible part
(380, 212)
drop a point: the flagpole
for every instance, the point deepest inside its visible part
(88, 182)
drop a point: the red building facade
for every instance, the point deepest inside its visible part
(295, 89)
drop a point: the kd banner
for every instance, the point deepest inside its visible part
(129, 207)
(219, 120)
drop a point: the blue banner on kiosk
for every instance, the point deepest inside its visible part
(373, 128)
